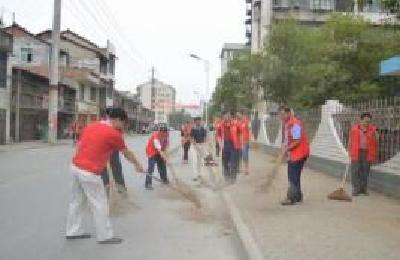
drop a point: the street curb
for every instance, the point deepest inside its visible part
(248, 241)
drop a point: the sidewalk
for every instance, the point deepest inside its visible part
(32, 145)
(367, 228)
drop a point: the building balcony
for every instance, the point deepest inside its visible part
(66, 105)
(257, 3)
(248, 1)
(248, 12)
(248, 21)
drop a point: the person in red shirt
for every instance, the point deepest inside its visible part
(244, 128)
(156, 153)
(297, 148)
(185, 135)
(229, 131)
(98, 141)
(362, 150)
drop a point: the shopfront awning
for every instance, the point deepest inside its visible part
(390, 67)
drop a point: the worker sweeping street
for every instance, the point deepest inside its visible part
(229, 131)
(199, 140)
(244, 127)
(98, 141)
(156, 153)
(296, 146)
(186, 130)
(115, 164)
(362, 151)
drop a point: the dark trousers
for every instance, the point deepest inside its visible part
(217, 149)
(116, 168)
(161, 166)
(186, 148)
(360, 172)
(294, 175)
(230, 160)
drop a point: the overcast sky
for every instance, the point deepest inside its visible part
(156, 32)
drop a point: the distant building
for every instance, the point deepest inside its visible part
(159, 97)
(94, 91)
(228, 52)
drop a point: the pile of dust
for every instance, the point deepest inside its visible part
(169, 194)
(198, 215)
(121, 203)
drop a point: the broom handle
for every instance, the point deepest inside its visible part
(345, 175)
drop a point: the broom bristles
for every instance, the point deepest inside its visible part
(339, 194)
(183, 189)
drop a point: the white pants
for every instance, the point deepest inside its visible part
(198, 158)
(88, 188)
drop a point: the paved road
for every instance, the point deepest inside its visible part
(34, 189)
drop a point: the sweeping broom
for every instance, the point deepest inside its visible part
(182, 188)
(119, 202)
(274, 172)
(340, 193)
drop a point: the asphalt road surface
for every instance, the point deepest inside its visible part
(34, 191)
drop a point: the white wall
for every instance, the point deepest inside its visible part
(41, 51)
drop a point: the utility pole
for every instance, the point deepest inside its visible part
(54, 74)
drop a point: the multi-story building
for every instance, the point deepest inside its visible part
(159, 97)
(261, 14)
(85, 86)
(97, 68)
(5, 85)
(30, 87)
(228, 52)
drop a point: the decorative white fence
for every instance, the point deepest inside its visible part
(329, 126)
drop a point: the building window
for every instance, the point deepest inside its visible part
(110, 92)
(112, 66)
(81, 92)
(27, 55)
(3, 69)
(93, 94)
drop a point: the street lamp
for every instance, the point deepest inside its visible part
(207, 71)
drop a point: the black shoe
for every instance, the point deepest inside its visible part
(111, 241)
(355, 193)
(149, 187)
(288, 202)
(83, 236)
(365, 193)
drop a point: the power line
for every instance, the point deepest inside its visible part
(109, 31)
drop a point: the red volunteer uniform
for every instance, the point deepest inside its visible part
(98, 141)
(302, 151)
(245, 130)
(354, 145)
(231, 131)
(151, 150)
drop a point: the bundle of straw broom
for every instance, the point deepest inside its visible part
(274, 172)
(340, 193)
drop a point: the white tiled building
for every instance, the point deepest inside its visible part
(228, 52)
(159, 97)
